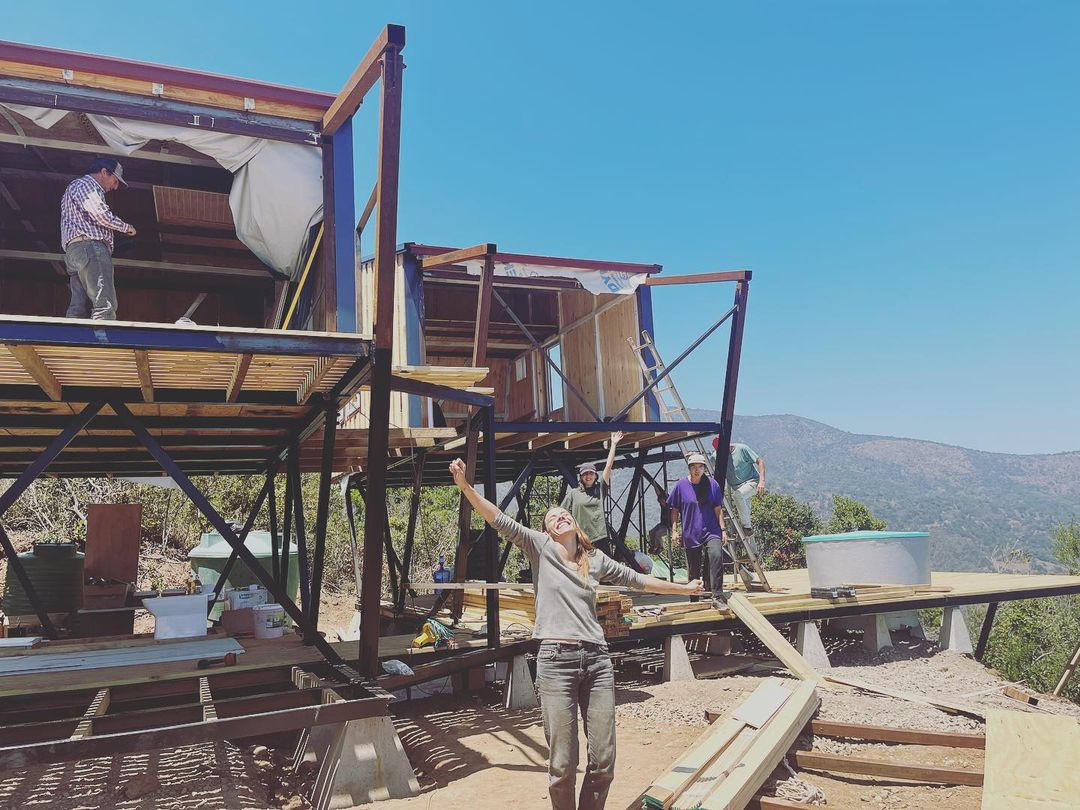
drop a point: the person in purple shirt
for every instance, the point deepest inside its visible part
(696, 503)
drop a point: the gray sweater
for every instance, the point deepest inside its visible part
(565, 605)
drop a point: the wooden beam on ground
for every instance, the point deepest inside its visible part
(932, 774)
(468, 254)
(945, 704)
(31, 361)
(859, 731)
(699, 278)
(239, 374)
(369, 70)
(146, 379)
(98, 706)
(771, 638)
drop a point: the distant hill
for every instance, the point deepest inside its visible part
(972, 502)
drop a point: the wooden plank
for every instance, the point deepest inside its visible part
(457, 256)
(318, 373)
(146, 379)
(113, 533)
(765, 751)
(31, 361)
(348, 101)
(687, 768)
(239, 374)
(1031, 761)
(98, 706)
(859, 731)
(946, 704)
(698, 278)
(932, 774)
(1020, 695)
(771, 638)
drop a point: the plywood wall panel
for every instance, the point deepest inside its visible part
(579, 365)
(621, 372)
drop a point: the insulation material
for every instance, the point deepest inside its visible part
(277, 190)
(598, 282)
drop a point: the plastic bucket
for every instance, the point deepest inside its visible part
(269, 621)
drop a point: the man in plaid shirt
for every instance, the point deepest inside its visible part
(86, 234)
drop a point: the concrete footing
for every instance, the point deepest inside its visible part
(676, 661)
(520, 691)
(360, 761)
(876, 633)
(954, 632)
(808, 643)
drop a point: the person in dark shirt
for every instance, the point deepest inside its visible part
(697, 503)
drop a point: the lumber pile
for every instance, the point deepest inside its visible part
(727, 765)
(614, 610)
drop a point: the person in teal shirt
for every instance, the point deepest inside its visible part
(745, 478)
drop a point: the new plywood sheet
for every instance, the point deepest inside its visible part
(1031, 761)
(579, 366)
(621, 370)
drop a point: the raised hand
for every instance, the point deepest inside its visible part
(457, 470)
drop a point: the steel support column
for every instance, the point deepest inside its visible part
(322, 513)
(984, 632)
(494, 631)
(731, 382)
(410, 530)
(379, 413)
(301, 528)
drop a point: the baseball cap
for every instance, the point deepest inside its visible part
(588, 466)
(112, 166)
(696, 458)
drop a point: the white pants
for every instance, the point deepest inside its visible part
(741, 498)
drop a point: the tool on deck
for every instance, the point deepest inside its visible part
(834, 592)
(435, 634)
(226, 661)
(672, 409)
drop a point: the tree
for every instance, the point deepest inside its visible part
(780, 524)
(1066, 540)
(850, 515)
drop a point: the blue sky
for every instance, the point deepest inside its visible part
(902, 177)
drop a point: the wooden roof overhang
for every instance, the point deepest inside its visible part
(219, 400)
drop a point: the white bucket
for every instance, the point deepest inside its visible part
(269, 621)
(246, 598)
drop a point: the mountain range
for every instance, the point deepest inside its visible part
(975, 504)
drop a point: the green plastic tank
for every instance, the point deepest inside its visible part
(209, 557)
(56, 572)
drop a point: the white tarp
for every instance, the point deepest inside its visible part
(598, 282)
(276, 194)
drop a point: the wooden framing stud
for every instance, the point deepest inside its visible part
(458, 256)
(31, 361)
(240, 370)
(98, 706)
(146, 379)
(322, 367)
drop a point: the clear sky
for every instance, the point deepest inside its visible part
(902, 177)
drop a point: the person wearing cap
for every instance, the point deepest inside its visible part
(696, 503)
(87, 226)
(586, 501)
(745, 478)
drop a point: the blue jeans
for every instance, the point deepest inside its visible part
(570, 675)
(90, 279)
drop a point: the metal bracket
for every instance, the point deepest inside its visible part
(249, 103)
(157, 88)
(67, 75)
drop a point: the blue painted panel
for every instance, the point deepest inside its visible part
(344, 247)
(645, 322)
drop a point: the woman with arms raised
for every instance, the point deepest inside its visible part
(573, 668)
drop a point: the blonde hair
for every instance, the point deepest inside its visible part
(584, 545)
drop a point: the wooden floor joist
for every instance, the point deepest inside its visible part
(859, 731)
(932, 774)
(98, 706)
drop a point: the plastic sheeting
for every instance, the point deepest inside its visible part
(598, 282)
(277, 189)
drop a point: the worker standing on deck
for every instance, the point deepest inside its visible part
(586, 501)
(573, 667)
(86, 233)
(697, 503)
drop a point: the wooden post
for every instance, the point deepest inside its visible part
(984, 633)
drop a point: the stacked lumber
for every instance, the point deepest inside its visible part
(614, 611)
(727, 764)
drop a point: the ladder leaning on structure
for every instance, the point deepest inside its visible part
(744, 552)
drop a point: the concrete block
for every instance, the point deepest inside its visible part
(876, 633)
(954, 632)
(676, 661)
(808, 643)
(361, 761)
(520, 692)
